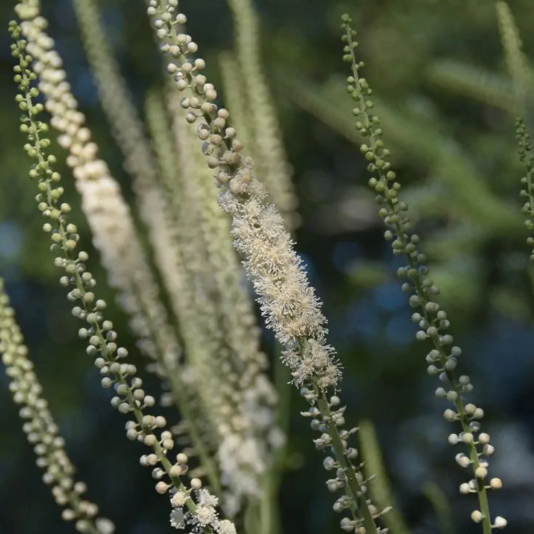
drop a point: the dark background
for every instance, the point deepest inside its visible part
(440, 139)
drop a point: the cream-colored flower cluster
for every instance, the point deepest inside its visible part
(41, 429)
(287, 301)
(239, 397)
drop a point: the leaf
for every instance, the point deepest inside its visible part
(473, 82)
(380, 486)
(441, 505)
(415, 141)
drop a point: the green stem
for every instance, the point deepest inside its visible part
(355, 491)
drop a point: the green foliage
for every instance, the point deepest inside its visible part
(516, 60)
(442, 507)
(417, 142)
(473, 82)
(375, 471)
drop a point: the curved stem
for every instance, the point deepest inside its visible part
(417, 282)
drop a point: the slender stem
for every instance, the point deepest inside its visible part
(423, 300)
(354, 488)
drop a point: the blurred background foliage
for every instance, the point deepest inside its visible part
(438, 73)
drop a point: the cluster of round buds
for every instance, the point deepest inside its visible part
(41, 429)
(478, 443)
(216, 136)
(327, 417)
(108, 214)
(432, 321)
(477, 516)
(525, 155)
(129, 397)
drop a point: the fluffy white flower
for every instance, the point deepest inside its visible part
(205, 514)
(287, 301)
(226, 527)
(205, 497)
(179, 499)
(178, 518)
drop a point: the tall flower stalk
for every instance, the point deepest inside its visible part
(41, 429)
(432, 320)
(129, 132)
(192, 505)
(287, 302)
(130, 135)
